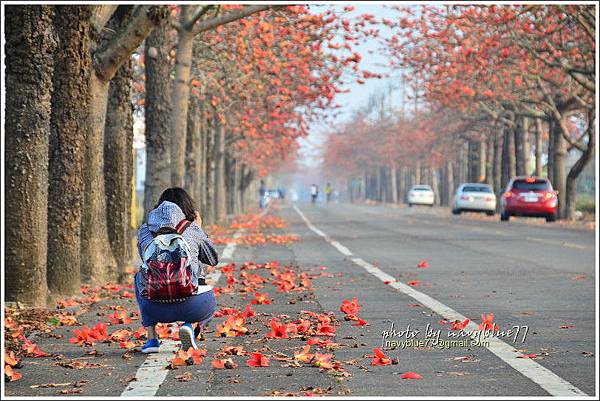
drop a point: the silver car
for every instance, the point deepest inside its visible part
(474, 197)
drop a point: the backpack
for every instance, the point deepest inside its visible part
(166, 273)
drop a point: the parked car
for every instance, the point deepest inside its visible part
(529, 196)
(420, 195)
(474, 197)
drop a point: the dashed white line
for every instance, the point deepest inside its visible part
(546, 379)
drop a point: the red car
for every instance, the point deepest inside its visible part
(529, 196)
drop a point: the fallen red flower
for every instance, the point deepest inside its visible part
(32, 349)
(487, 323)
(260, 299)
(277, 330)
(458, 325)
(528, 356)
(423, 264)
(411, 375)
(258, 360)
(249, 312)
(350, 307)
(380, 358)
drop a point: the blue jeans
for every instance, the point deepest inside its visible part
(198, 308)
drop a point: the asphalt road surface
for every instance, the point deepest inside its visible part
(541, 277)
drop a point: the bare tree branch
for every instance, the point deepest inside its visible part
(231, 16)
(111, 56)
(101, 14)
(196, 15)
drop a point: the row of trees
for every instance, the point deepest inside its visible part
(225, 91)
(498, 91)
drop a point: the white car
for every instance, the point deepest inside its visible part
(420, 195)
(471, 197)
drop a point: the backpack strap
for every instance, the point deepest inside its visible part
(182, 226)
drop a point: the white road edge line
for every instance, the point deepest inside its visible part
(152, 373)
(546, 379)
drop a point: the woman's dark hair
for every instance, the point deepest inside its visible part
(181, 198)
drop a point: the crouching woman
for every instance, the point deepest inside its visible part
(170, 286)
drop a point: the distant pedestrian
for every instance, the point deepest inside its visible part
(314, 193)
(171, 245)
(328, 192)
(262, 195)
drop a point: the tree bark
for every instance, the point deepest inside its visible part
(449, 173)
(394, 182)
(402, 185)
(30, 43)
(508, 157)
(180, 98)
(550, 163)
(203, 156)
(489, 161)
(157, 115)
(210, 173)
(220, 201)
(539, 143)
(192, 152)
(97, 262)
(522, 146)
(118, 164)
(70, 100)
(498, 154)
(559, 168)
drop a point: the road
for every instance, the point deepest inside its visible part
(524, 274)
(538, 276)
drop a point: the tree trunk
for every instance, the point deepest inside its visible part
(70, 99)
(435, 184)
(237, 189)
(539, 167)
(220, 202)
(402, 184)
(508, 157)
(550, 163)
(157, 115)
(522, 146)
(481, 169)
(30, 43)
(118, 166)
(193, 156)
(229, 183)
(560, 170)
(489, 161)
(497, 165)
(210, 174)
(180, 98)
(449, 182)
(97, 261)
(418, 173)
(394, 182)
(204, 126)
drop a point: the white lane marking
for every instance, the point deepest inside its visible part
(546, 379)
(556, 243)
(152, 373)
(340, 247)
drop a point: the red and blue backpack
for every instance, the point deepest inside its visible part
(166, 272)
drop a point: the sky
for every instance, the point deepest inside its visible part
(359, 94)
